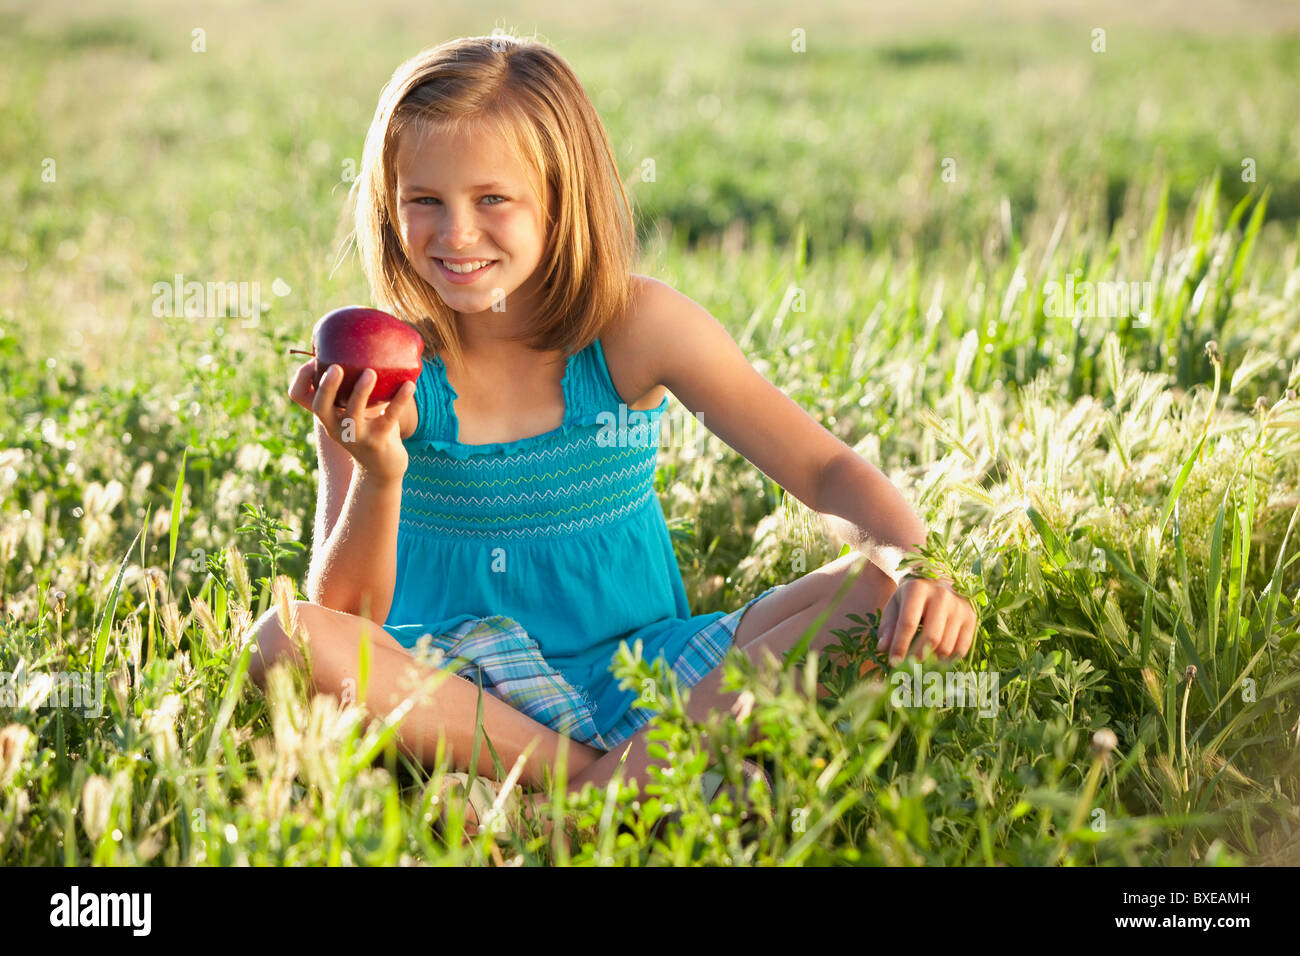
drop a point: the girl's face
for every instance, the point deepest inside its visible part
(465, 198)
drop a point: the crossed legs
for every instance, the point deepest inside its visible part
(334, 638)
(774, 624)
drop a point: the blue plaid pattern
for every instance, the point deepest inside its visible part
(705, 652)
(497, 653)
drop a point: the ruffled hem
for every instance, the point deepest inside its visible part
(457, 450)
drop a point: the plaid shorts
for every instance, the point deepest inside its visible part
(498, 653)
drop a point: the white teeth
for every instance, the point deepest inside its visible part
(466, 267)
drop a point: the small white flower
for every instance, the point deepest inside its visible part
(36, 691)
(252, 458)
(96, 802)
(160, 724)
(100, 499)
(13, 744)
(1104, 741)
(140, 483)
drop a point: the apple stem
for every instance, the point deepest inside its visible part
(300, 352)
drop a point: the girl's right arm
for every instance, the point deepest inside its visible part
(354, 553)
(362, 461)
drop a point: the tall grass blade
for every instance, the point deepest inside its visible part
(176, 514)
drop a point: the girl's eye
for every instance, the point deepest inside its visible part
(432, 199)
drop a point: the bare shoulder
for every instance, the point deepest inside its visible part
(633, 346)
(664, 326)
(695, 357)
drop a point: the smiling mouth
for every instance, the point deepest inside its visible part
(463, 269)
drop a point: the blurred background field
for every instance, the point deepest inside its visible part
(873, 198)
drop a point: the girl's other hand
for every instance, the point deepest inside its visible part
(372, 436)
(926, 615)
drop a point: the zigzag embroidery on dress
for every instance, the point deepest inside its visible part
(542, 531)
(437, 461)
(587, 484)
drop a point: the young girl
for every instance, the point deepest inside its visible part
(495, 510)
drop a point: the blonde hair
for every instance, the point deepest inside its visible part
(530, 95)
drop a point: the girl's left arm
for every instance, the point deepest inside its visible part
(697, 360)
(864, 509)
(878, 521)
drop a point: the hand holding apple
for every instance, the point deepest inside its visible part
(366, 426)
(356, 338)
(371, 434)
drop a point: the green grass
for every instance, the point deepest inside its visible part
(1119, 497)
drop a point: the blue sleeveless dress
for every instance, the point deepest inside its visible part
(524, 565)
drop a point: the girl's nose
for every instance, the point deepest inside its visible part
(457, 229)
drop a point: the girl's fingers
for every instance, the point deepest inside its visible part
(888, 618)
(393, 413)
(327, 409)
(361, 394)
(911, 605)
(966, 639)
(952, 624)
(930, 635)
(327, 389)
(301, 389)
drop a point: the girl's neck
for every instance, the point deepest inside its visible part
(494, 356)
(486, 338)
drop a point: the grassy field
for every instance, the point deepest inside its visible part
(918, 226)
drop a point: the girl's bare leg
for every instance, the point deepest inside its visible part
(334, 640)
(774, 624)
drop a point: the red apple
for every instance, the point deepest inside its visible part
(356, 338)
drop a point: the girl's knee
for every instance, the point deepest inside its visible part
(271, 641)
(303, 614)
